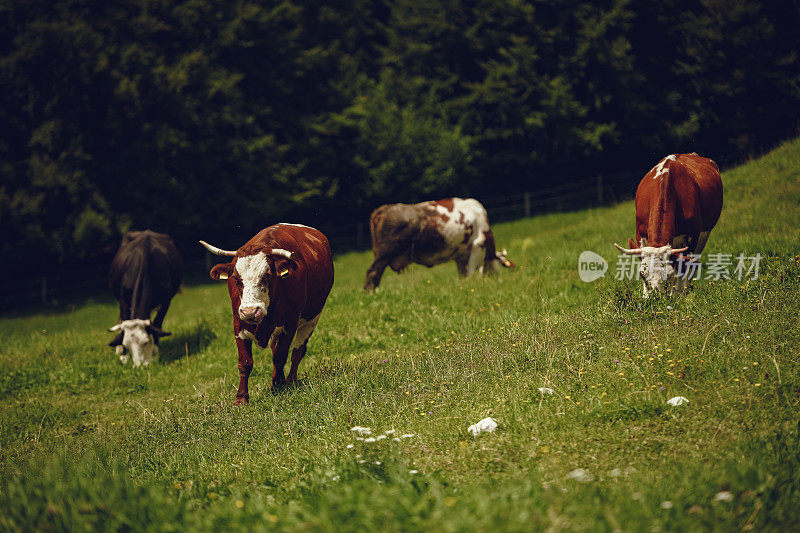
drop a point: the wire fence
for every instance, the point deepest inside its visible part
(90, 279)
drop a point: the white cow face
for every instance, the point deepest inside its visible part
(253, 271)
(139, 339)
(656, 270)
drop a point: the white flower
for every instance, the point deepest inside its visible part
(666, 504)
(413, 471)
(380, 437)
(369, 439)
(389, 432)
(724, 496)
(396, 439)
(361, 431)
(407, 436)
(615, 472)
(487, 425)
(336, 478)
(349, 446)
(677, 400)
(378, 463)
(362, 461)
(545, 390)
(581, 475)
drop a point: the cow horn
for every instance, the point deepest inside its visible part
(634, 251)
(679, 250)
(217, 251)
(280, 251)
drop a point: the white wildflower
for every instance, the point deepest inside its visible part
(413, 471)
(389, 432)
(487, 425)
(677, 400)
(545, 390)
(723, 496)
(407, 436)
(349, 446)
(396, 439)
(369, 439)
(361, 430)
(362, 461)
(581, 475)
(336, 478)
(666, 504)
(378, 463)
(617, 472)
(380, 437)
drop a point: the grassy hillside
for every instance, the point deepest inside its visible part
(88, 443)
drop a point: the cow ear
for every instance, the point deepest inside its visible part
(157, 332)
(632, 244)
(284, 267)
(222, 271)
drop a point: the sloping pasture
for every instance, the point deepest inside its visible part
(88, 443)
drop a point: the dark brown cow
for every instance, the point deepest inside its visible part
(146, 273)
(678, 203)
(430, 233)
(278, 283)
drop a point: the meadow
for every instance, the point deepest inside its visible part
(87, 444)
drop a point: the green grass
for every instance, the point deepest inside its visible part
(86, 443)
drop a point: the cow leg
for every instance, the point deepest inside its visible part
(374, 274)
(158, 321)
(477, 255)
(245, 348)
(299, 345)
(461, 266)
(280, 352)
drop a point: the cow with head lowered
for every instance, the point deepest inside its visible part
(278, 283)
(146, 273)
(431, 233)
(678, 203)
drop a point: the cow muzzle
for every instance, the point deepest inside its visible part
(252, 315)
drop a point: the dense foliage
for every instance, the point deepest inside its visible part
(212, 118)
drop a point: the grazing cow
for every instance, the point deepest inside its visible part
(278, 283)
(678, 203)
(430, 233)
(145, 274)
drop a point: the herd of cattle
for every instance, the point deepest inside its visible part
(279, 280)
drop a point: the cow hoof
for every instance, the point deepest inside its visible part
(241, 401)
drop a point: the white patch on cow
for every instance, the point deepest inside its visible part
(453, 227)
(137, 341)
(661, 167)
(656, 269)
(304, 331)
(252, 269)
(295, 225)
(273, 339)
(246, 335)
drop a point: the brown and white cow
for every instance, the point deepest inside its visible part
(678, 203)
(278, 283)
(431, 233)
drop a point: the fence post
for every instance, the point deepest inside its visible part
(599, 190)
(526, 202)
(44, 290)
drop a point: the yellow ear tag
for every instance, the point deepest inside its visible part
(223, 276)
(283, 273)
